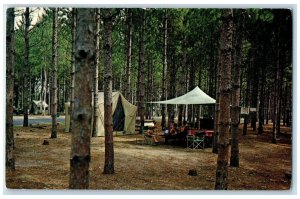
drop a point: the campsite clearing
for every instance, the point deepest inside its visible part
(263, 165)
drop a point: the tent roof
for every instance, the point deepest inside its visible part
(40, 103)
(195, 96)
(101, 95)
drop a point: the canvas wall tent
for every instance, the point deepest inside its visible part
(39, 106)
(124, 115)
(195, 96)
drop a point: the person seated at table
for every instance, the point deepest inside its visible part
(172, 129)
(183, 132)
(171, 132)
(151, 134)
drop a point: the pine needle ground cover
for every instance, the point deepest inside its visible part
(263, 165)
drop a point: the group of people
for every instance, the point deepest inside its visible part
(178, 135)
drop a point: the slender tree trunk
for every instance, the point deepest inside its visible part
(82, 112)
(279, 95)
(172, 85)
(108, 124)
(148, 89)
(45, 90)
(235, 96)
(97, 38)
(191, 78)
(42, 88)
(10, 62)
(246, 117)
(16, 92)
(261, 103)
(142, 71)
(26, 72)
(215, 145)
(181, 81)
(164, 74)
(276, 98)
(54, 76)
(74, 22)
(225, 90)
(128, 58)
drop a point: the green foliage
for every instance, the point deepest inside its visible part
(191, 31)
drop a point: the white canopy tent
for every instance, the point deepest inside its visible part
(195, 96)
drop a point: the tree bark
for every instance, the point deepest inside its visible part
(141, 104)
(261, 102)
(235, 96)
(26, 70)
(45, 90)
(82, 112)
(73, 62)
(225, 90)
(10, 63)
(182, 79)
(128, 58)
(165, 69)
(276, 98)
(54, 75)
(247, 116)
(97, 38)
(172, 85)
(215, 145)
(108, 124)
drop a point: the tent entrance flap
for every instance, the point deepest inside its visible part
(119, 117)
(124, 114)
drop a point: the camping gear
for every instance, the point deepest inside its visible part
(124, 115)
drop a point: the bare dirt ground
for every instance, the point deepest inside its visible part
(144, 167)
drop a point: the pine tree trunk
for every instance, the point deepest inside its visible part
(261, 103)
(10, 62)
(215, 145)
(42, 89)
(225, 91)
(246, 117)
(172, 85)
(26, 70)
(276, 97)
(54, 76)
(74, 22)
(45, 90)
(148, 89)
(97, 38)
(108, 124)
(164, 74)
(128, 58)
(191, 79)
(235, 96)
(279, 90)
(182, 81)
(82, 112)
(141, 92)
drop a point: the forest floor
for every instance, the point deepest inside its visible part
(263, 165)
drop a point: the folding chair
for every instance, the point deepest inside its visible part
(196, 141)
(190, 141)
(199, 140)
